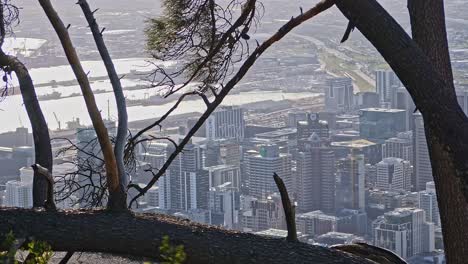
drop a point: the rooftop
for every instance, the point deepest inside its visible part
(382, 110)
(358, 143)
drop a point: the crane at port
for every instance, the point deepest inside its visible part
(58, 121)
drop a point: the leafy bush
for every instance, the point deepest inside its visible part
(171, 254)
(38, 252)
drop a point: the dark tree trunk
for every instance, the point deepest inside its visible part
(40, 130)
(428, 79)
(429, 32)
(124, 233)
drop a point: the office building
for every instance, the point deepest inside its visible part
(405, 102)
(152, 197)
(221, 174)
(224, 206)
(393, 174)
(386, 83)
(313, 125)
(339, 94)
(262, 214)
(19, 193)
(372, 151)
(226, 122)
(221, 152)
(185, 184)
(367, 100)
(315, 182)
(262, 166)
(316, 223)
(350, 190)
(400, 146)
(294, 117)
(422, 161)
(380, 124)
(404, 231)
(428, 202)
(351, 221)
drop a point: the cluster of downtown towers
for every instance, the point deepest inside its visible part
(357, 170)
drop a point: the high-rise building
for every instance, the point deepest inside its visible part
(339, 94)
(316, 223)
(89, 157)
(221, 174)
(405, 102)
(294, 117)
(152, 197)
(422, 161)
(350, 190)
(404, 231)
(19, 193)
(221, 152)
(224, 205)
(428, 202)
(262, 214)
(312, 125)
(226, 122)
(386, 83)
(367, 100)
(315, 183)
(381, 124)
(185, 184)
(400, 146)
(394, 174)
(263, 165)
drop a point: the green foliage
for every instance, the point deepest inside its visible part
(171, 254)
(38, 252)
(8, 243)
(206, 38)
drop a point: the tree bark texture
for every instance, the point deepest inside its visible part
(432, 91)
(117, 199)
(121, 138)
(140, 235)
(429, 32)
(40, 130)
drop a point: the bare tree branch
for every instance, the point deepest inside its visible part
(117, 199)
(117, 88)
(249, 62)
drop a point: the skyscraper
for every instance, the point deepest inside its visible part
(312, 125)
(339, 94)
(185, 184)
(226, 122)
(400, 146)
(350, 190)
(263, 165)
(428, 202)
(404, 231)
(422, 161)
(224, 205)
(315, 177)
(393, 174)
(405, 102)
(262, 214)
(380, 124)
(221, 152)
(386, 83)
(19, 193)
